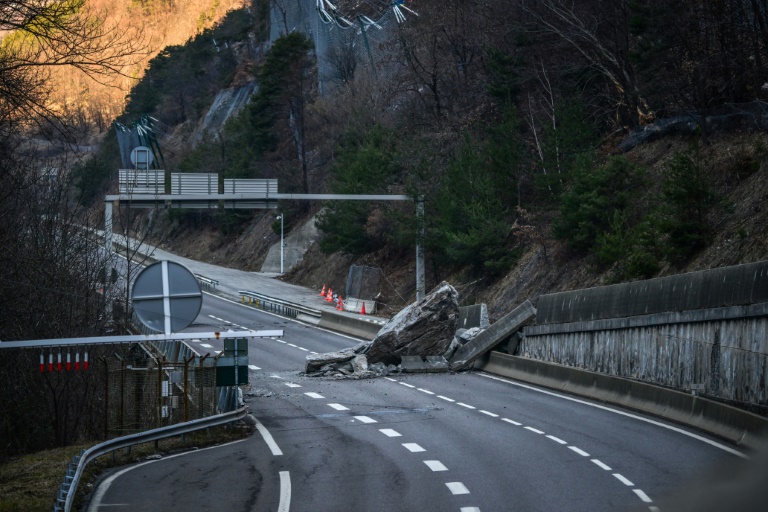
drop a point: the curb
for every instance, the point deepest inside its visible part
(724, 421)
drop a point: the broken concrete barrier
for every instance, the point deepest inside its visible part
(490, 337)
(316, 361)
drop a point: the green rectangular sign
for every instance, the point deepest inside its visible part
(225, 375)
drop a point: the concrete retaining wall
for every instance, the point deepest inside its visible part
(721, 351)
(726, 422)
(727, 286)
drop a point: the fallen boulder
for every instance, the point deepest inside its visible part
(425, 328)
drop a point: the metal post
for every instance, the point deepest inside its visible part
(420, 281)
(108, 260)
(281, 241)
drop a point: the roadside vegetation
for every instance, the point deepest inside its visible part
(30, 482)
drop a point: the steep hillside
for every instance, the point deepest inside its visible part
(512, 123)
(739, 235)
(154, 25)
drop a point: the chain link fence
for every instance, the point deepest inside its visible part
(143, 393)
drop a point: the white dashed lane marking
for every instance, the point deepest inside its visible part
(338, 407)
(621, 478)
(365, 419)
(206, 345)
(292, 385)
(579, 451)
(413, 447)
(435, 465)
(642, 496)
(253, 367)
(314, 395)
(457, 488)
(389, 432)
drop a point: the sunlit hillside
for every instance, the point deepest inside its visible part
(158, 23)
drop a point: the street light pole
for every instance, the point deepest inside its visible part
(281, 241)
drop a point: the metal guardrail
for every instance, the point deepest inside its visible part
(277, 306)
(206, 282)
(66, 494)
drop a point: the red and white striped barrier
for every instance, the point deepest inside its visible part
(61, 364)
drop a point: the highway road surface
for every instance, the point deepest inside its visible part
(411, 442)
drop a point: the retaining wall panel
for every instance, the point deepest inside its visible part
(727, 286)
(674, 355)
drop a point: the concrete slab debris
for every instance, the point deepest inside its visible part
(496, 333)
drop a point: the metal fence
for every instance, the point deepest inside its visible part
(133, 181)
(144, 393)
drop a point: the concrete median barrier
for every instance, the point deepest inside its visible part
(364, 328)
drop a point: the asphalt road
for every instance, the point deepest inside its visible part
(440, 442)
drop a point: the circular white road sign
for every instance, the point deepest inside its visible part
(166, 297)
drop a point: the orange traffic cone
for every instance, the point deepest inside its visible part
(340, 304)
(322, 292)
(329, 296)
(362, 311)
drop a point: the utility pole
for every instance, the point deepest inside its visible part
(281, 241)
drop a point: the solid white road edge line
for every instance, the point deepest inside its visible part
(622, 413)
(285, 492)
(268, 439)
(102, 489)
